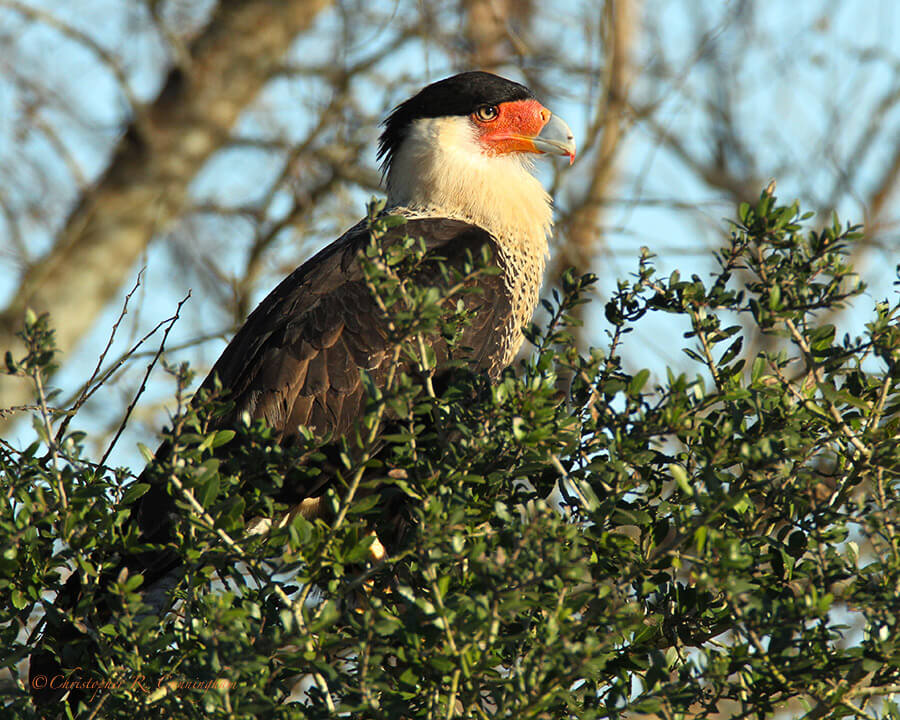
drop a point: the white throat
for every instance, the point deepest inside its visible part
(440, 169)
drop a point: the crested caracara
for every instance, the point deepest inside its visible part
(457, 158)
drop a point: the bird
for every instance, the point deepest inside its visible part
(457, 161)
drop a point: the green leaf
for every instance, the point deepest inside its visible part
(19, 601)
(134, 492)
(681, 479)
(362, 505)
(637, 382)
(222, 437)
(326, 615)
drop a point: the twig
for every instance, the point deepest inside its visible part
(295, 607)
(51, 441)
(84, 394)
(78, 36)
(130, 354)
(171, 322)
(819, 375)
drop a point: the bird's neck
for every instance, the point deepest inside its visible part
(443, 176)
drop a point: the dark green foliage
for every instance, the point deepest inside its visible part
(727, 541)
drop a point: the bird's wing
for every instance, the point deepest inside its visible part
(298, 358)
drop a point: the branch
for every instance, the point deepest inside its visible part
(620, 20)
(106, 58)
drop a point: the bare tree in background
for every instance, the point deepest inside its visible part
(240, 135)
(800, 125)
(160, 152)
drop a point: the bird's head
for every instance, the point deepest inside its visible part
(498, 117)
(465, 144)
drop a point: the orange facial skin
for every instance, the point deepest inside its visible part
(513, 129)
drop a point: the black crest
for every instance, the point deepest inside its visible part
(457, 95)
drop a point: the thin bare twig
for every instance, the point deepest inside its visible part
(171, 322)
(86, 390)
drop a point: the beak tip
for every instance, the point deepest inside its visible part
(556, 138)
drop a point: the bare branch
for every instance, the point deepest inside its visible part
(489, 31)
(620, 19)
(73, 33)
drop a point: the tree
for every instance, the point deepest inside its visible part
(161, 150)
(724, 543)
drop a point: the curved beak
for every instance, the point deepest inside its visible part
(555, 138)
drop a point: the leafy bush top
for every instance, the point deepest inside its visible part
(724, 542)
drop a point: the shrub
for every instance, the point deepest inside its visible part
(722, 542)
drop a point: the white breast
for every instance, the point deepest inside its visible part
(440, 170)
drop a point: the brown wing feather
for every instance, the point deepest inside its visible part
(297, 359)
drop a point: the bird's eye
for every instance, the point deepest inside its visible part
(487, 113)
